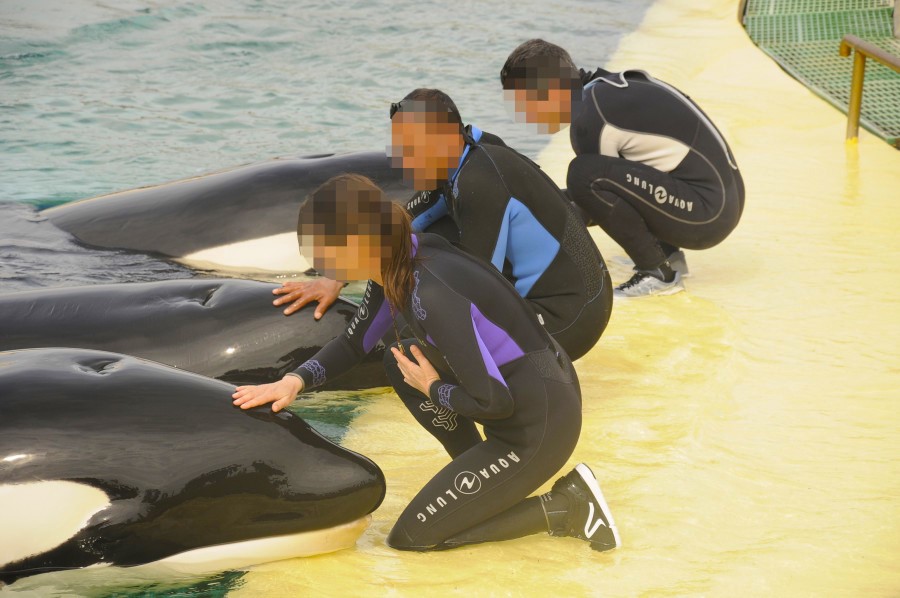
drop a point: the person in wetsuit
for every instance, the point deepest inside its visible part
(478, 355)
(650, 168)
(499, 206)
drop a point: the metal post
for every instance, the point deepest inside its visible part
(897, 18)
(861, 50)
(856, 89)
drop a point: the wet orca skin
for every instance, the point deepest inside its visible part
(181, 467)
(221, 328)
(181, 218)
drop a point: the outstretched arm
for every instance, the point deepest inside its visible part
(281, 393)
(297, 294)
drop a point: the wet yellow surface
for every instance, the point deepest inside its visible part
(745, 432)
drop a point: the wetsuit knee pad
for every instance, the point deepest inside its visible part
(584, 170)
(388, 360)
(588, 188)
(399, 539)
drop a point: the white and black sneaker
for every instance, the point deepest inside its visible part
(644, 284)
(587, 515)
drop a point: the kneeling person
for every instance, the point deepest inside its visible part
(478, 355)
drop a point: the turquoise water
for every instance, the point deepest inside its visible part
(97, 97)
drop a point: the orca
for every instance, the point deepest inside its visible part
(242, 219)
(222, 328)
(111, 460)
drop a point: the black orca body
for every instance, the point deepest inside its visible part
(221, 328)
(242, 218)
(171, 464)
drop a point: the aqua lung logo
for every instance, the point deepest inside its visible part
(423, 197)
(659, 193)
(467, 483)
(362, 313)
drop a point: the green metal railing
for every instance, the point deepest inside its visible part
(863, 50)
(802, 36)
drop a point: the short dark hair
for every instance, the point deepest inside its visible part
(537, 60)
(433, 100)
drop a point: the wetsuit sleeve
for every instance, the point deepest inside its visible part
(371, 322)
(463, 335)
(426, 208)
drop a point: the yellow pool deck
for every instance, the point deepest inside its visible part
(745, 432)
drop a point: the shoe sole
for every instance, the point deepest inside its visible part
(670, 291)
(588, 476)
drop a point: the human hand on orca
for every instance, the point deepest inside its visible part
(281, 393)
(324, 290)
(419, 375)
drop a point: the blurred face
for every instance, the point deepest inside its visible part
(549, 107)
(426, 146)
(346, 229)
(359, 258)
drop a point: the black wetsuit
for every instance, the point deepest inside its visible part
(651, 168)
(509, 213)
(498, 367)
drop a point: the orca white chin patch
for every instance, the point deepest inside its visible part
(194, 564)
(277, 253)
(39, 516)
(239, 555)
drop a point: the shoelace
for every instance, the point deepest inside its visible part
(634, 280)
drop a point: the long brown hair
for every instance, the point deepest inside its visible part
(351, 204)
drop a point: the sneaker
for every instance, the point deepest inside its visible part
(678, 263)
(588, 515)
(643, 284)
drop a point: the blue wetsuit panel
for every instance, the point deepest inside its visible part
(528, 246)
(425, 219)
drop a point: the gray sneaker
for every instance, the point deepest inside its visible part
(678, 263)
(644, 284)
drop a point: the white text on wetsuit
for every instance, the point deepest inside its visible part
(659, 193)
(363, 312)
(467, 482)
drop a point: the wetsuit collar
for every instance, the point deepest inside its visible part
(614, 79)
(471, 135)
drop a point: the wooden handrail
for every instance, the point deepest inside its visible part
(863, 50)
